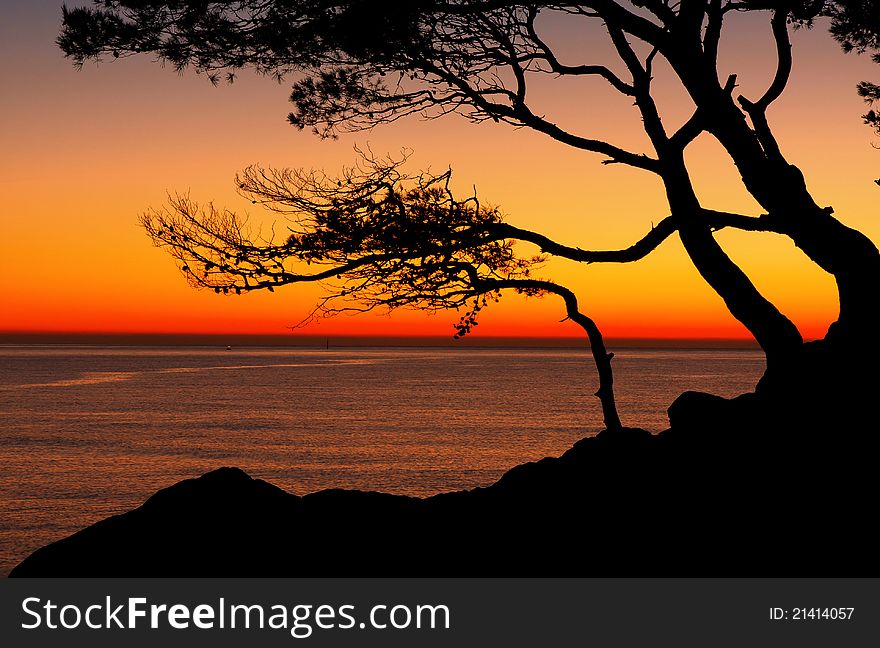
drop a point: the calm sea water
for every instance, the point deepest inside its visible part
(87, 432)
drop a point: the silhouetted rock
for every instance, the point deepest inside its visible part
(698, 499)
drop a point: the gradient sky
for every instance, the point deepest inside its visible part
(85, 152)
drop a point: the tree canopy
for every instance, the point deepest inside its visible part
(368, 62)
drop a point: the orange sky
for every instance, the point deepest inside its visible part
(85, 152)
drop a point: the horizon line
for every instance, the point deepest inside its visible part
(338, 340)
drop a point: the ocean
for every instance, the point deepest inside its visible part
(88, 432)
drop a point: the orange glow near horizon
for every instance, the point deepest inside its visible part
(84, 152)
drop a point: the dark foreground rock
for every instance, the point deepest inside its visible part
(708, 497)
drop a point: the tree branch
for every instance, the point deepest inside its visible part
(757, 111)
(520, 114)
(688, 132)
(601, 356)
(641, 75)
(779, 26)
(573, 70)
(715, 220)
(712, 35)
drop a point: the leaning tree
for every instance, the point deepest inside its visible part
(357, 64)
(372, 237)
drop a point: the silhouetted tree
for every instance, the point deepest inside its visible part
(357, 64)
(373, 237)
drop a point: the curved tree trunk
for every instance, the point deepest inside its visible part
(822, 387)
(775, 333)
(846, 253)
(780, 188)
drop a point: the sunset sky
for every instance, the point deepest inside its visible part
(84, 152)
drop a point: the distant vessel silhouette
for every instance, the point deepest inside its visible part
(228, 348)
